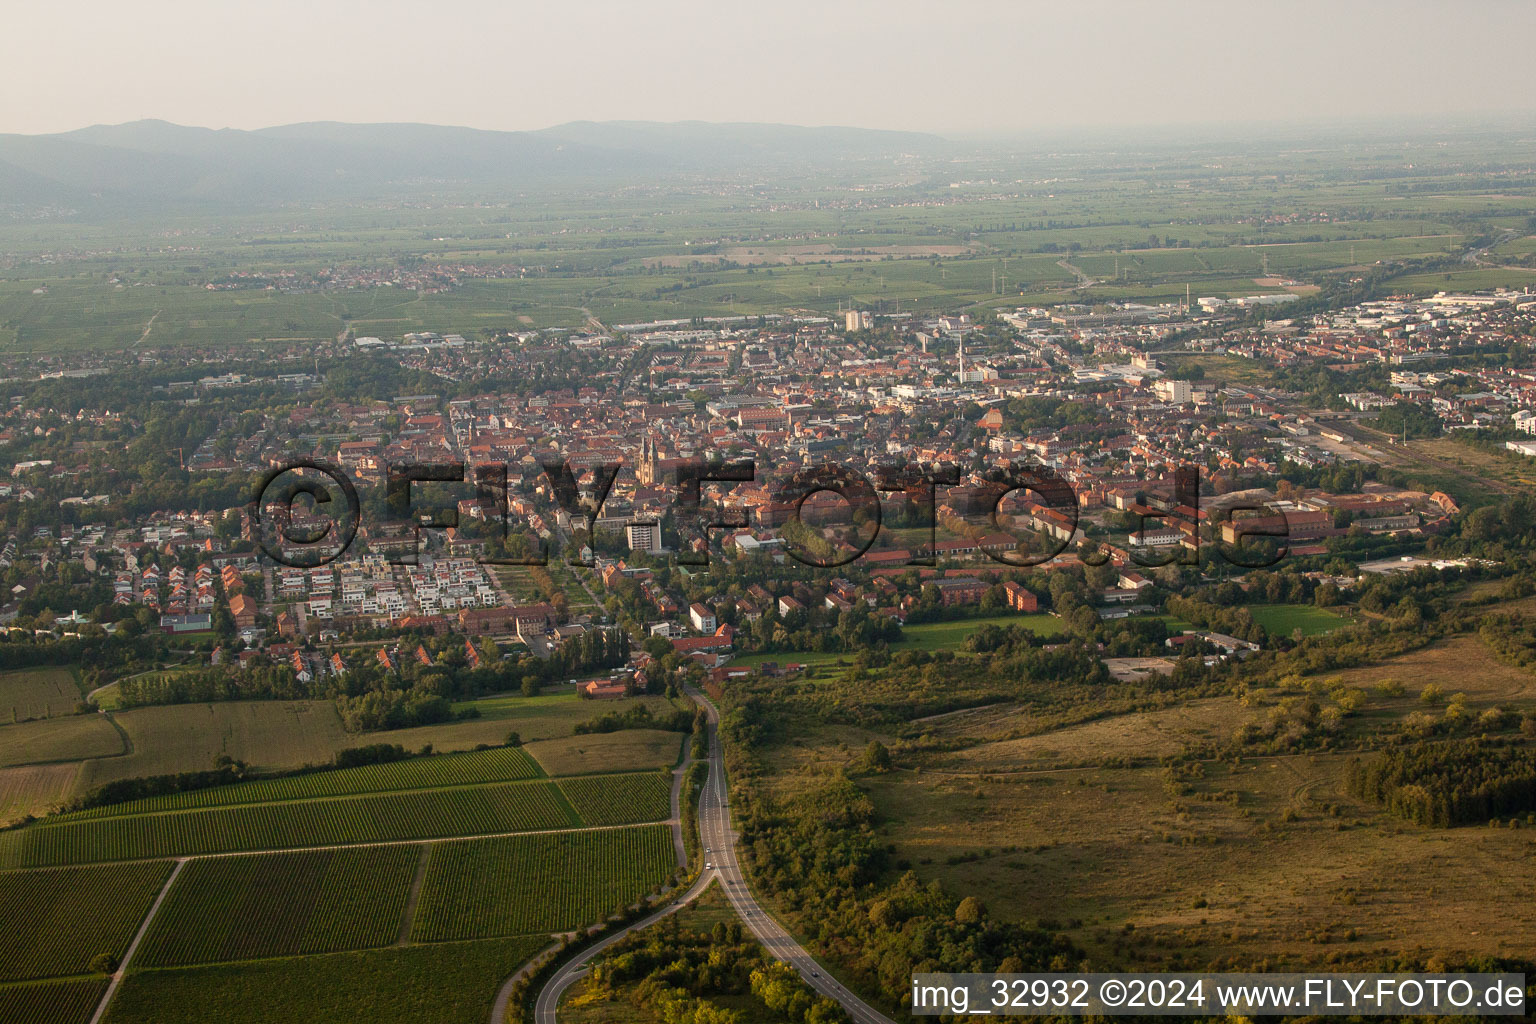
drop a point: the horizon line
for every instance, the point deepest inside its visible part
(1501, 118)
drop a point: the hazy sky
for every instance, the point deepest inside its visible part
(949, 66)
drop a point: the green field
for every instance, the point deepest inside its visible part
(187, 737)
(502, 764)
(532, 718)
(233, 822)
(620, 799)
(928, 636)
(949, 636)
(487, 887)
(51, 1002)
(1285, 619)
(422, 814)
(1136, 228)
(59, 739)
(38, 693)
(1469, 280)
(1224, 369)
(90, 313)
(231, 917)
(276, 735)
(440, 983)
(243, 908)
(623, 751)
(547, 716)
(34, 789)
(56, 921)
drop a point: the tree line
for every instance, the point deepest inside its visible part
(1454, 783)
(371, 697)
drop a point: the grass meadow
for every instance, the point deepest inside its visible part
(45, 692)
(927, 636)
(623, 751)
(1252, 856)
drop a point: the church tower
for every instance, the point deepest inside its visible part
(646, 471)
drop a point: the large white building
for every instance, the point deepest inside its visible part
(644, 536)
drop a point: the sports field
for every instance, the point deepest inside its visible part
(1287, 619)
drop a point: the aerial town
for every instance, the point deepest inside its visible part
(788, 393)
(784, 513)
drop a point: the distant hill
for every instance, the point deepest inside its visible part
(155, 163)
(716, 144)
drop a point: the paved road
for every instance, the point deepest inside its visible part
(1476, 255)
(720, 841)
(90, 698)
(554, 989)
(720, 845)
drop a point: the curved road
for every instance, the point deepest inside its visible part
(720, 844)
